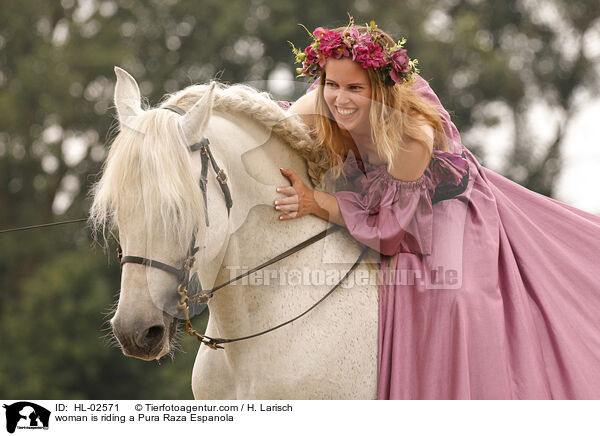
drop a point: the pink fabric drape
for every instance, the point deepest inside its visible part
(492, 293)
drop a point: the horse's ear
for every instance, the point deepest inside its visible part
(194, 122)
(127, 96)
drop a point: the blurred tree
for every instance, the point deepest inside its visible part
(503, 61)
(56, 347)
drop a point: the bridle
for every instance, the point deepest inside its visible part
(189, 287)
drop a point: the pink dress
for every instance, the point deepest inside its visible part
(488, 290)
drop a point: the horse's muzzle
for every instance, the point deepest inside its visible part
(147, 343)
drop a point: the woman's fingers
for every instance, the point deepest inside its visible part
(291, 203)
(287, 207)
(289, 174)
(288, 190)
(287, 204)
(288, 216)
(287, 200)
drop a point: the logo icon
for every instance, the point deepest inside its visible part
(26, 415)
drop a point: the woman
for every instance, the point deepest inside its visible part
(489, 290)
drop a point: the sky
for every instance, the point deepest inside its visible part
(578, 183)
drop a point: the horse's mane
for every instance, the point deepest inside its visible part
(261, 107)
(149, 167)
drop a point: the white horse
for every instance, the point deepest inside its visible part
(149, 191)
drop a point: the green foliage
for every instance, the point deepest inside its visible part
(58, 334)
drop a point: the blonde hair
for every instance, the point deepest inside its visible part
(395, 119)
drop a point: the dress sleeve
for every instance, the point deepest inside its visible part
(283, 104)
(394, 216)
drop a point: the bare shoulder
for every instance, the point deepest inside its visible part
(425, 127)
(411, 163)
(305, 107)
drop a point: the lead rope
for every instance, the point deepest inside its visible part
(204, 296)
(38, 226)
(214, 343)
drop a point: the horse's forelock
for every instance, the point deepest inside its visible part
(149, 168)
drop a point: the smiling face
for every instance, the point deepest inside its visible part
(347, 94)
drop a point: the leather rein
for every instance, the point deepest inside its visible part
(189, 288)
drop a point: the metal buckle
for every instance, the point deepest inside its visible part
(201, 298)
(189, 263)
(222, 177)
(182, 291)
(210, 343)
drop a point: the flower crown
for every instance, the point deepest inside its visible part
(393, 63)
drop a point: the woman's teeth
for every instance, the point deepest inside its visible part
(346, 111)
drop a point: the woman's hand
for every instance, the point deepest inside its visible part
(300, 198)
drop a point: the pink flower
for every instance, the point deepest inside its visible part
(331, 44)
(319, 32)
(367, 49)
(351, 36)
(368, 54)
(400, 64)
(311, 55)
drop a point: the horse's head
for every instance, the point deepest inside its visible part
(150, 193)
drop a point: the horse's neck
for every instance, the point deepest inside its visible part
(275, 365)
(254, 157)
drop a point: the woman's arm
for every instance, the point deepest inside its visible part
(302, 200)
(410, 165)
(328, 208)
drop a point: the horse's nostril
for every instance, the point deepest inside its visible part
(153, 335)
